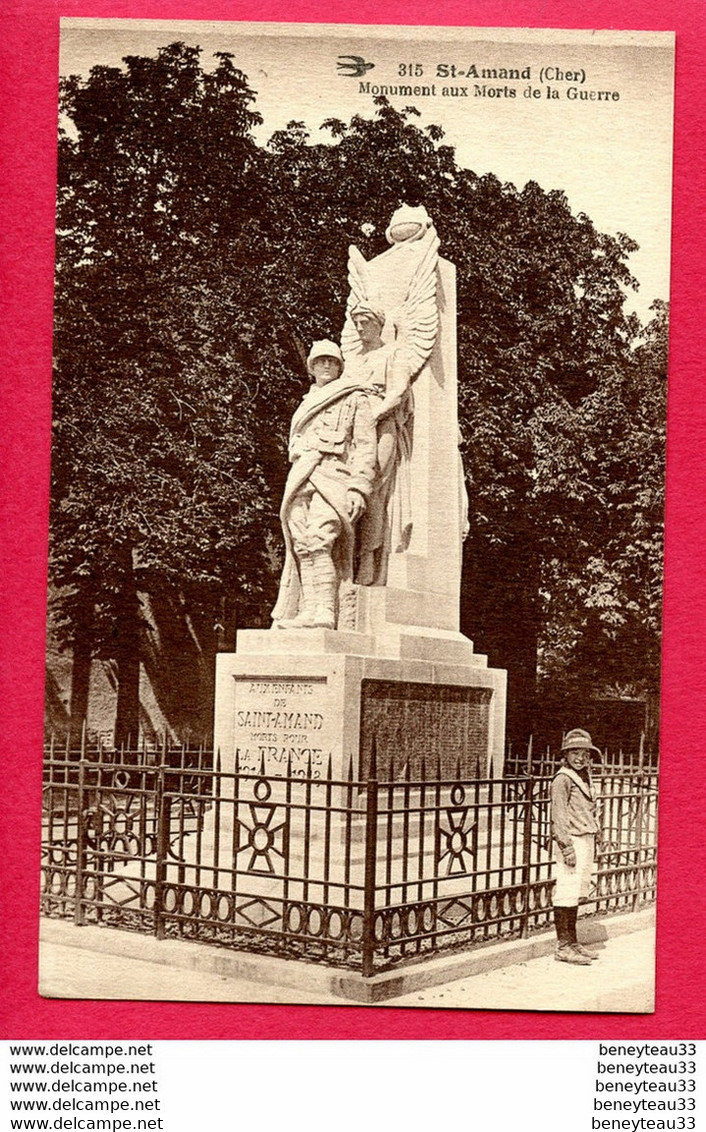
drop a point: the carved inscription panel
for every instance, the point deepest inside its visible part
(282, 723)
(438, 726)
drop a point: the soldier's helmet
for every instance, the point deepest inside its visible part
(324, 349)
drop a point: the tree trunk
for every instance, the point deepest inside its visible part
(80, 682)
(652, 721)
(500, 613)
(126, 653)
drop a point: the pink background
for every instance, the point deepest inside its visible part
(29, 38)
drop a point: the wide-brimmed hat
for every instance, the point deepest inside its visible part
(578, 740)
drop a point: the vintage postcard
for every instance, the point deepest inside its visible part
(357, 515)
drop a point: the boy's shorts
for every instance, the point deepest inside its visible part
(572, 885)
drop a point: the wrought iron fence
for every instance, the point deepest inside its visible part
(363, 874)
(540, 761)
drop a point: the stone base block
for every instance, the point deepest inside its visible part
(311, 698)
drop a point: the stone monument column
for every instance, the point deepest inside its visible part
(423, 583)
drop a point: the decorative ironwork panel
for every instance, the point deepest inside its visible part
(263, 829)
(457, 827)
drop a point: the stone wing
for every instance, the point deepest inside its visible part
(417, 318)
(360, 288)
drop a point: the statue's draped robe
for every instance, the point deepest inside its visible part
(387, 523)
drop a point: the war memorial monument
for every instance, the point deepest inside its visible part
(365, 647)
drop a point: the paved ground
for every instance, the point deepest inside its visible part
(71, 972)
(621, 980)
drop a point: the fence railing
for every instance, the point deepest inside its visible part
(540, 761)
(362, 874)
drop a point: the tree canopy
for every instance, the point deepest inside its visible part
(195, 266)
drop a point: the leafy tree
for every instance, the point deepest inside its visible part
(541, 324)
(155, 476)
(602, 619)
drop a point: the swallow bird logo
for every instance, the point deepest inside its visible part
(353, 66)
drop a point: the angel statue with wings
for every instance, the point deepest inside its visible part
(390, 329)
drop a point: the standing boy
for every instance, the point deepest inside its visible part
(574, 829)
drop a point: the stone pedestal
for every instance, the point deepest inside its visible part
(313, 698)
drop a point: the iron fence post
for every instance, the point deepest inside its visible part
(639, 816)
(526, 856)
(530, 755)
(79, 915)
(371, 824)
(162, 847)
(235, 836)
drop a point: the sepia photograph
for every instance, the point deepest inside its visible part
(357, 513)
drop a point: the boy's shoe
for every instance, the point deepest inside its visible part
(565, 953)
(591, 955)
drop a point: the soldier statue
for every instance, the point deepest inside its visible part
(333, 452)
